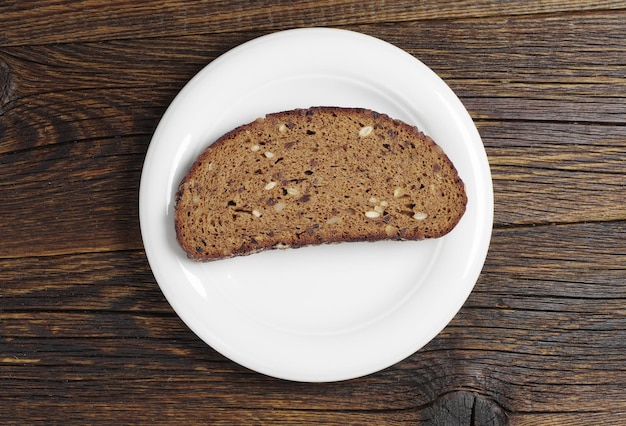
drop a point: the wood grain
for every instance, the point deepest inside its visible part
(88, 337)
(537, 334)
(86, 117)
(49, 21)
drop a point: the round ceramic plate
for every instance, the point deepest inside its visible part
(329, 312)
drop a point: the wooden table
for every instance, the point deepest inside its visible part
(86, 335)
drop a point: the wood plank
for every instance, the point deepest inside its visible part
(80, 20)
(573, 59)
(74, 197)
(556, 172)
(541, 330)
(74, 284)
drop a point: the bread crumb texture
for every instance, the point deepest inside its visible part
(315, 176)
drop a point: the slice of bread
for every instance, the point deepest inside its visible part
(315, 176)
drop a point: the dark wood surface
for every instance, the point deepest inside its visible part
(86, 336)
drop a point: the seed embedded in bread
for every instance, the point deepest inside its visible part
(314, 176)
(372, 214)
(366, 131)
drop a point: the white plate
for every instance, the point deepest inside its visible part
(321, 313)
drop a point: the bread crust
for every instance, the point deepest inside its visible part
(316, 176)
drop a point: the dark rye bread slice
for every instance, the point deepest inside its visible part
(314, 176)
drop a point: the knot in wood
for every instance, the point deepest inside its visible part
(466, 408)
